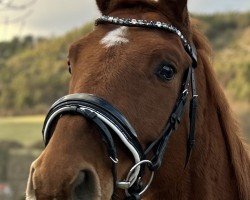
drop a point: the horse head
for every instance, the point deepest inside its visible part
(132, 79)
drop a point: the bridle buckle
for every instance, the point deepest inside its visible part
(123, 184)
(126, 185)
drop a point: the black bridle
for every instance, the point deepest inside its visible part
(110, 121)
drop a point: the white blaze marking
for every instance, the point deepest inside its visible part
(115, 37)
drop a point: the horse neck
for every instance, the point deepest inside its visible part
(222, 158)
(212, 170)
(219, 167)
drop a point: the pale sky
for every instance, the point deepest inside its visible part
(55, 17)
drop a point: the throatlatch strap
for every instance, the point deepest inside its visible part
(192, 118)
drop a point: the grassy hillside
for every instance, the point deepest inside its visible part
(233, 66)
(224, 29)
(229, 36)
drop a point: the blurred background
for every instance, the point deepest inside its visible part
(34, 39)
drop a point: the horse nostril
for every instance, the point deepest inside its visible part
(84, 187)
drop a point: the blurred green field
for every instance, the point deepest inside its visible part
(25, 130)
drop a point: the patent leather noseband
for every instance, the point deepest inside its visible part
(110, 121)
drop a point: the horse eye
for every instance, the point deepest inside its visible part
(69, 66)
(166, 71)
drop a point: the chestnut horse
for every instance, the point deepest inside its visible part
(140, 71)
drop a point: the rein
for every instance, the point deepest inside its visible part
(110, 121)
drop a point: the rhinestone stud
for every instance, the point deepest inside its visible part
(140, 22)
(134, 21)
(159, 24)
(115, 19)
(110, 19)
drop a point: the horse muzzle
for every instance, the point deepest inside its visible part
(85, 185)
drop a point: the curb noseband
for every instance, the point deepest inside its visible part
(110, 121)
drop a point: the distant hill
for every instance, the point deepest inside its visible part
(229, 35)
(33, 76)
(224, 29)
(233, 66)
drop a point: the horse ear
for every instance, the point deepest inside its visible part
(176, 8)
(103, 5)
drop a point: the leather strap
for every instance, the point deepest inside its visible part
(192, 118)
(175, 118)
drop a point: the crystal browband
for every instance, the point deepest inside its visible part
(146, 24)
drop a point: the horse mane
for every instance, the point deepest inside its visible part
(236, 146)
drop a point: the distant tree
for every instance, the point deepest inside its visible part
(16, 45)
(28, 40)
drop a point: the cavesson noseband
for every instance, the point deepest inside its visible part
(111, 121)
